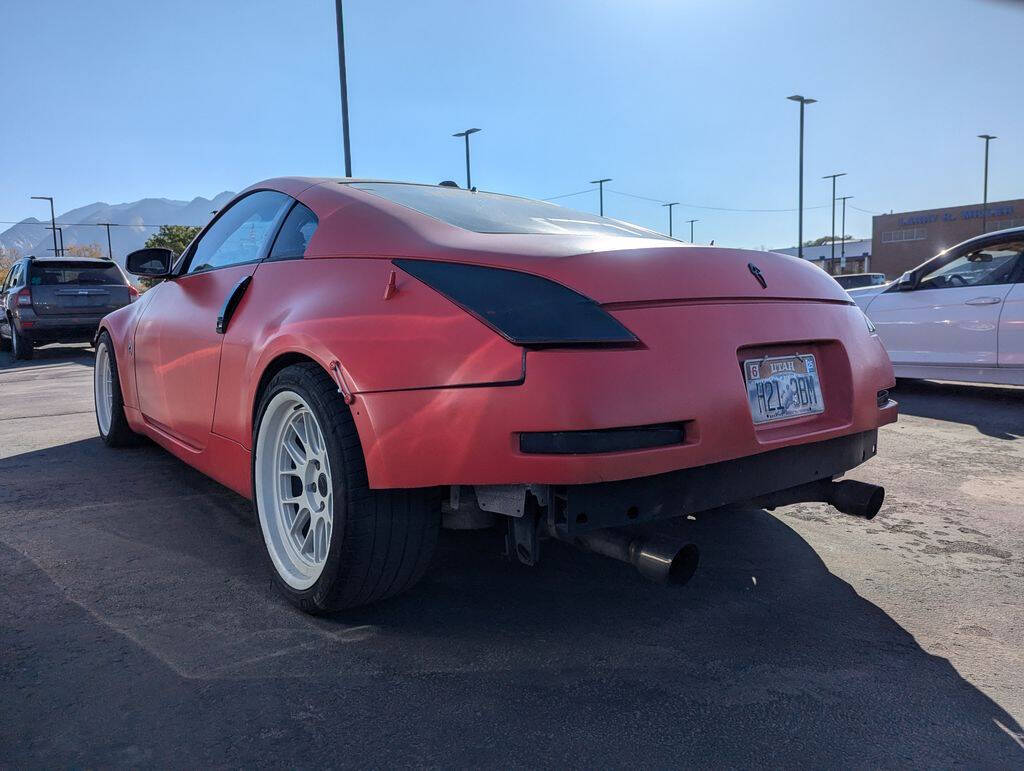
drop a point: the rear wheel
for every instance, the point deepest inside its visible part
(110, 418)
(21, 346)
(332, 542)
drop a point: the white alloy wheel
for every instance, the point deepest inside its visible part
(294, 490)
(103, 388)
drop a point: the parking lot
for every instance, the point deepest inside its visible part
(138, 625)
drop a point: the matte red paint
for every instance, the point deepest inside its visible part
(439, 398)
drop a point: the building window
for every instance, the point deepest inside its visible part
(910, 234)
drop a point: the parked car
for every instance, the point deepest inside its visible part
(959, 316)
(58, 300)
(857, 280)
(358, 357)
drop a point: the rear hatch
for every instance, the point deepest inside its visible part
(77, 287)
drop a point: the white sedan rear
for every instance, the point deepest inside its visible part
(959, 316)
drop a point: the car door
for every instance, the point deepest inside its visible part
(948, 314)
(178, 339)
(1011, 322)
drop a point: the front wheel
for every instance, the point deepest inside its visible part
(332, 542)
(110, 419)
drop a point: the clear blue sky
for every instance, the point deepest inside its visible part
(678, 101)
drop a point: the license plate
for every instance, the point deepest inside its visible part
(782, 387)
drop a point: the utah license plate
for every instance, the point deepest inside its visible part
(782, 387)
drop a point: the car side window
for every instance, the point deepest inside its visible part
(987, 266)
(241, 234)
(293, 238)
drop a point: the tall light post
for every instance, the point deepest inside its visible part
(466, 133)
(833, 178)
(670, 205)
(984, 204)
(800, 228)
(110, 250)
(344, 89)
(53, 219)
(842, 252)
(691, 229)
(600, 194)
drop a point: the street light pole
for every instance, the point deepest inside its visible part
(842, 252)
(110, 250)
(833, 178)
(600, 194)
(53, 219)
(691, 229)
(984, 205)
(800, 228)
(670, 205)
(466, 133)
(344, 88)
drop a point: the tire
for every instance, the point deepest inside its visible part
(21, 346)
(113, 427)
(363, 545)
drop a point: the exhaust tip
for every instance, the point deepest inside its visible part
(858, 498)
(666, 562)
(684, 565)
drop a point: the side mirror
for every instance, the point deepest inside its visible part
(155, 262)
(905, 282)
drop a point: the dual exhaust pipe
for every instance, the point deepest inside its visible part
(666, 560)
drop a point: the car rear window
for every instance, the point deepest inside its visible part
(57, 273)
(495, 213)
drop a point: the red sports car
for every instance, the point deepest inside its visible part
(367, 359)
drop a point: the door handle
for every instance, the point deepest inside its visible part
(231, 304)
(982, 301)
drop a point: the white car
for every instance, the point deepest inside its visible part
(959, 316)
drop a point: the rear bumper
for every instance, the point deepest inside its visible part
(613, 504)
(687, 374)
(59, 329)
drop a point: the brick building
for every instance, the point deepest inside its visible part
(904, 240)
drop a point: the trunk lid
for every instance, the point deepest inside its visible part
(685, 274)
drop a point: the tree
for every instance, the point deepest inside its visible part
(8, 256)
(827, 240)
(93, 251)
(173, 237)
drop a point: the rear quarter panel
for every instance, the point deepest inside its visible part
(334, 310)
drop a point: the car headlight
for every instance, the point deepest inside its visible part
(525, 309)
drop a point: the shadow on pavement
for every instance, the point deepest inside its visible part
(996, 411)
(49, 355)
(138, 611)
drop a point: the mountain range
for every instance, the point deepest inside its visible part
(135, 222)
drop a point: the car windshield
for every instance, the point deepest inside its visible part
(58, 273)
(495, 213)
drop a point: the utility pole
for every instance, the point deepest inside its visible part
(600, 187)
(984, 205)
(691, 229)
(110, 251)
(466, 133)
(53, 219)
(800, 228)
(833, 178)
(344, 88)
(670, 205)
(842, 253)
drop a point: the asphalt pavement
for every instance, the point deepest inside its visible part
(138, 625)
